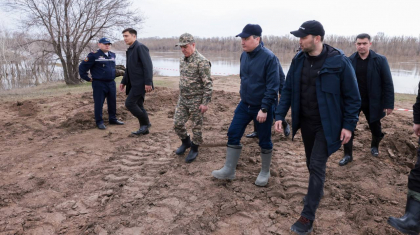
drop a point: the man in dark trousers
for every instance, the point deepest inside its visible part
(259, 73)
(376, 90)
(138, 78)
(409, 223)
(321, 89)
(101, 65)
(286, 127)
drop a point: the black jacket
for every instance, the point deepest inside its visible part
(416, 108)
(139, 69)
(380, 87)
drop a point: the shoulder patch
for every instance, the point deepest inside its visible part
(86, 59)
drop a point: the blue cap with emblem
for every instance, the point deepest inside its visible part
(105, 41)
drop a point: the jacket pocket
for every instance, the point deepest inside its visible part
(330, 82)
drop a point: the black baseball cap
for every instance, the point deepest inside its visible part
(250, 29)
(311, 27)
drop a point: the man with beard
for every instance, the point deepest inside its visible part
(376, 90)
(321, 89)
(259, 73)
(138, 78)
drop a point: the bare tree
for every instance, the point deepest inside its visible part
(69, 25)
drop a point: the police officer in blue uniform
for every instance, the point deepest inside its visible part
(102, 69)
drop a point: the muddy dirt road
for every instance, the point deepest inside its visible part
(59, 174)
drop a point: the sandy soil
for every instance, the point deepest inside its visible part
(61, 175)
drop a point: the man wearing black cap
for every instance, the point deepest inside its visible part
(102, 69)
(376, 90)
(259, 72)
(138, 78)
(321, 89)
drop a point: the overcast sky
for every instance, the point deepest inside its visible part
(209, 18)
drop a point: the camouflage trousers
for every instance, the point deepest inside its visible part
(188, 108)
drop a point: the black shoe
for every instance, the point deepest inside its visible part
(346, 159)
(252, 135)
(286, 128)
(101, 126)
(116, 122)
(303, 226)
(144, 130)
(186, 143)
(192, 155)
(410, 222)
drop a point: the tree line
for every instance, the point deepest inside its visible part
(397, 47)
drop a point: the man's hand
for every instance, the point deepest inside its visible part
(122, 86)
(203, 108)
(91, 80)
(416, 129)
(388, 111)
(345, 136)
(278, 126)
(148, 88)
(261, 116)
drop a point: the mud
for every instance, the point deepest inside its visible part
(59, 174)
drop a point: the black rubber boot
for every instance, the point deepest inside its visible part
(348, 153)
(410, 222)
(303, 226)
(186, 143)
(192, 155)
(374, 147)
(253, 134)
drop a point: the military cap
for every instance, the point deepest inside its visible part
(105, 41)
(185, 39)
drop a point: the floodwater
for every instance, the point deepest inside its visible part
(405, 74)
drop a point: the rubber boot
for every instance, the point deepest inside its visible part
(253, 134)
(192, 155)
(264, 175)
(410, 222)
(348, 153)
(374, 147)
(186, 143)
(232, 157)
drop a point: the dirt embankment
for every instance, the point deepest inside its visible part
(61, 175)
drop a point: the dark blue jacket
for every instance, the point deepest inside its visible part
(101, 67)
(337, 95)
(380, 87)
(282, 78)
(259, 74)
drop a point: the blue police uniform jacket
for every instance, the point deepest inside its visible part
(260, 75)
(102, 67)
(337, 95)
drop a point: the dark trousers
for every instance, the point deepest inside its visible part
(134, 104)
(414, 177)
(102, 90)
(244, 114)
(316, 151)
(375, 127)
(283, 124)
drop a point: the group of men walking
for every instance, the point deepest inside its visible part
(325, 90)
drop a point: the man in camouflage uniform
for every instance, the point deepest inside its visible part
(195, 88)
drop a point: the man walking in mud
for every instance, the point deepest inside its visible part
(138, 78)
(259, 73)
(195, 90)
(321, 89)
(376, 90)
(101, 65)
(409, 223)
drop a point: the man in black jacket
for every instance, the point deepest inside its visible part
(138, 78)
(409, 223)
(376, 90)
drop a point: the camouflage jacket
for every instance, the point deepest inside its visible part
(195, 77)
